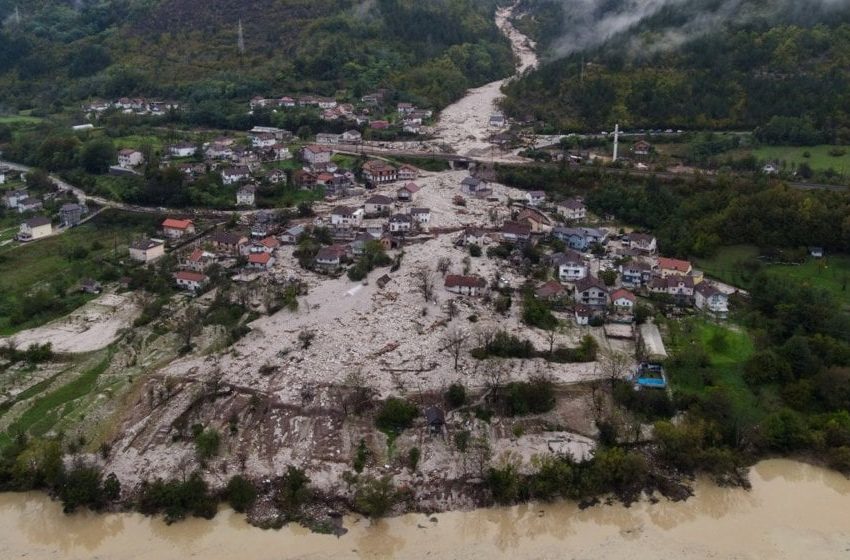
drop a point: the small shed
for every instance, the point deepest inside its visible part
(436, 418)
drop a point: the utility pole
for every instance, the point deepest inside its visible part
(616, 142)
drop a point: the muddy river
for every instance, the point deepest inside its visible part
(793, 511)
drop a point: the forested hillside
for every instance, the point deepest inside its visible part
(54, 51)
(689, 65)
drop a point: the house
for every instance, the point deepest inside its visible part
(190, 280)
(378, 172)
(233, 175)
(379, 125)
(465, 285)
(266, 245)
(678, 286)
(535, 219)
(421, 215)
(245, 195)
(581, 238)
(407, 173)
(35, 228)
(71, 214)
(262, 139)
(535, 198)
(377, 205)
(12, 198)
(583, 314)
(623, 300)
(474, 186)
(219, 150)
(147, 250)
(291, 235)
(711, 300)
(401, 223)
(173, 228)
(262, 261)
(29, 204)
(550, 291)
(572, 209)
(674, 267)
(346, 216)
(198, 260)
(816, 252)
(327, 139)
(497, 120)
(316, 155)
(513, 232)
(228, 242)
(474, 236)
(405, 108)
(330, 258)
(643, 242)
(262, 223)
(278, 152)
(182, 150)
(569, 266)
(351, 137)
(128, 158)
(304, 179)
(591, 291)
(276, 176)
(635, 274)
(408, 192)
(642, 148)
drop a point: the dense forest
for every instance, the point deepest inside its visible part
(190, 50)
(667, 71)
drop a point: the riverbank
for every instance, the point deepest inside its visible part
(793, 511)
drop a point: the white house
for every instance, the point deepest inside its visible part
(407, 173)
(262, 139)
(378, 204)
(351, 137)
(315, 154)
(233, 175)
(346, 216)
(570, 266)
(190, 280)
(182, 150)
(623, 300)
(465, 285)
(245, 196)
(35, 228)
(591, 291)
(535, 198)
(710, 299)
(147, 250)
(130, 158)
(572, 209)
(643, 242)
(421, 215)
(11, 199)
(401, 223)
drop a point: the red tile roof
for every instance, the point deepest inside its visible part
(674, 264)
(259, 258)
(623, 294)
(173, 223)
(456, 280)
(189, 276)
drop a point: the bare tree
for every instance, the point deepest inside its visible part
(455, 342)
(189, 326)
(451, 308)
(614, 365)
(444, 264)
(551, 336)
(424, 282)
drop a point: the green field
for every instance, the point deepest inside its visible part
(725, 264)
(727, 347)
(832, 273)
(54, 265)
(819, 158)
(19, 119)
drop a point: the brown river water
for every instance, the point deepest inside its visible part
(793, 511)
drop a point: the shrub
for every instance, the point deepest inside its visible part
(176, 499)
(413, 457)
(293, 490)
(462, 440)
(207, 443)
(375, 497)
(456, 395)
(474, 250)
(361, 456)
(504, 483)
(535, 396)
(241, 494)
(395, 416)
